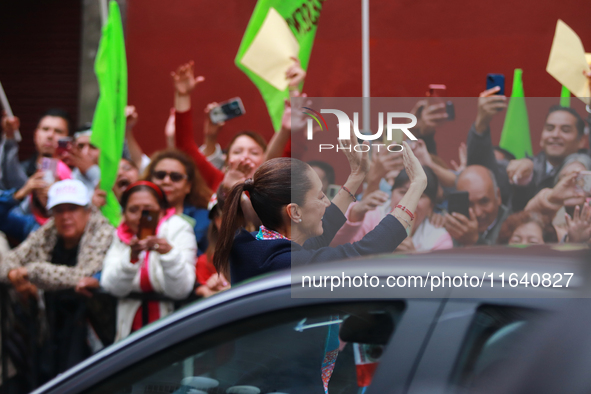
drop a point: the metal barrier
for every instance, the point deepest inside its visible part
(32, 307)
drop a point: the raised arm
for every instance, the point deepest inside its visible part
(446, 177)
(12, 174)
(184, 83)
(418, 183)
(359, 164)
(388, 234)
(210, 131)
(276, 148)
(135, 151)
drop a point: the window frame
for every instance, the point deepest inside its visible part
(229, 308)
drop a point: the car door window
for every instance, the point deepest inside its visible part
(296, 350)
(493, 334)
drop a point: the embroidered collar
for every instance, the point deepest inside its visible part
(266, 234)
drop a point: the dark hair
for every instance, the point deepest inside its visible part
(270, 191)
(131, 162)
(324, 166)
(432, 183)
(213, 234)
(58, 113)
(256, 137)
(506, 154)
(200, 192)
(580, 125)
(143, 186)
(520, 218)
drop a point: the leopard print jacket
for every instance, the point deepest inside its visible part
(36, 251)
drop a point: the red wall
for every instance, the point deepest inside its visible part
(413, 44)
(39, 60)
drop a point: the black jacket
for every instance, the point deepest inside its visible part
(481, 152)
(251, 257)
(540, 180)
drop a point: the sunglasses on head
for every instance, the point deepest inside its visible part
(174, 176)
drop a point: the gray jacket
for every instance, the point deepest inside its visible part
(489, 237)
(12, 175)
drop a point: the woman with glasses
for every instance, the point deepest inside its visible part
(185, 189)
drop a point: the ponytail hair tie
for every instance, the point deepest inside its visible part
(248, 185)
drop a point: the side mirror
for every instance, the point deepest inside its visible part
(367, 328)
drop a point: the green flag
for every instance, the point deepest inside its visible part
(108, 125)
(302, 18)
(565, 97)
(515, 136)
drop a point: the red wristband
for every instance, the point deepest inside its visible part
(349, 191)
(405, 210)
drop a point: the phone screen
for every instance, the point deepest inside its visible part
(459, 202)
(49, 168)
(450, 110)
(148, 224)
(227, 110)
(63, 145)
(493, 80)
(397, 137)
(332, 191)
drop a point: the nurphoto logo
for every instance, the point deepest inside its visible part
(345, 129)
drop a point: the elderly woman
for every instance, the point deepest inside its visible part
(526, 228)
(298, 221)
(163, 263)
(565, 203)
(364, 216)
(71, 245)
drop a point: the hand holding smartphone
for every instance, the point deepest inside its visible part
(493, 80)
(63, 145)
(436, 92)
(459, 202)
(332, 191)
(148, 224)
(49, 168)
(227, 110)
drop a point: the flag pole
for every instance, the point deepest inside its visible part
(365, 64)
(104, 11)
(6, 106)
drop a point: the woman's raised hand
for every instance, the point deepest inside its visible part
(413, 167)
(184, 79)
(358, 161)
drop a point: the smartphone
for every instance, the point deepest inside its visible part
(49, 168)
(583, 182)
(332, 191)
(148, 224)
(493, 80)
(397, 137)
(227, 110)
(459, 202)
(63, 145)
(450, 110)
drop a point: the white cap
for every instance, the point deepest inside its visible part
(69, 191)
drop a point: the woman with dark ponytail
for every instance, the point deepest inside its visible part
(299, 222)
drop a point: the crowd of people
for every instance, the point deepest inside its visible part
(225, 215)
